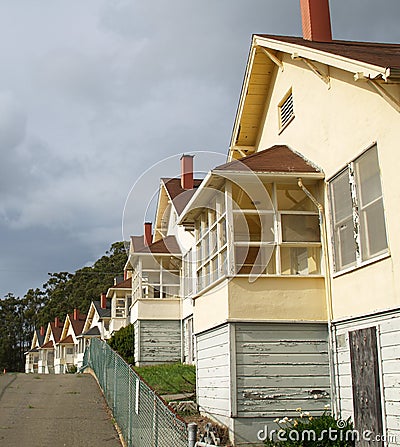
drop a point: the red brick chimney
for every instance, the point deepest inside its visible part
(187, 172)
(76, 314)
(56, 322)
(148, 233)
(316, 21)
(103, 301)
(42, 331)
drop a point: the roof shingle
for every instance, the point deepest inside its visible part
(179, 196)
(380, 54)
(277, 158)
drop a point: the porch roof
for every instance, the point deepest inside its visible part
(67, 341)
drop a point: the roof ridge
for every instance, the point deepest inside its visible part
(333, 41)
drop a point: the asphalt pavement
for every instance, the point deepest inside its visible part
(49, 410)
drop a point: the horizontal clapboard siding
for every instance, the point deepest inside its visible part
(159, 341)
(281, 367)
(389, 345)
(213, 377)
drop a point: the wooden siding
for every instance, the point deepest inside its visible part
(213, 378)
(281, 367)
(159, 341)
(388, 333)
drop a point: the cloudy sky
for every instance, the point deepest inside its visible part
(94, 93)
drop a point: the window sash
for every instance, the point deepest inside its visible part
(358, 219)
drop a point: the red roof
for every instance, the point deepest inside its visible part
(164, 246)
(179, 196)
(274, 159)
(381, 54)
(78, 324)
(174, 188)
(56, 331)
(126, 284)
(67, 341)
(48, 345)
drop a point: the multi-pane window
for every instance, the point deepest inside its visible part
(156, 277)
(188, 273)
(211, 243)
(358, 218)
(263, 228)
(120, 308)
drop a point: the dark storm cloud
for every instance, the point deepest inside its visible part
(94, 93)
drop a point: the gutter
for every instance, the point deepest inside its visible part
(328, 289)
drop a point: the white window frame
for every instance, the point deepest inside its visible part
(141, 287)
(211, 226)
(223, 255)
(357, 209)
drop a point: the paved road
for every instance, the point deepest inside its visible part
(54, 411)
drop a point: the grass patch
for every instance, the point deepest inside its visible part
(170, 379)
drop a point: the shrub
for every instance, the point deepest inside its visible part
(122, 341)
(309, 431)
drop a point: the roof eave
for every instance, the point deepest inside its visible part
(271, 174)
(344, 63)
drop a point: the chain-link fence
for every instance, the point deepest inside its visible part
(144, 419)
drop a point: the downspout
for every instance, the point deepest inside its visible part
(328, 288)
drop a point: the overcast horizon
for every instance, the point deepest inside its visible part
(93, 94)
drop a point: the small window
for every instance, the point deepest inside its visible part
(286, 111)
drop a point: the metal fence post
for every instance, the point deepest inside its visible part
(155, 421)
(129, 408)
(192, 434)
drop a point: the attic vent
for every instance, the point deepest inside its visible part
(286, 112)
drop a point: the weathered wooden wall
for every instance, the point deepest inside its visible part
(281, 367)
(213, 373)
(388, 341)
(157, 341)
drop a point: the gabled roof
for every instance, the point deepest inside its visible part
(385, 55)
(77, 325)
(125, 284)
(278, 161)
(279, 158)
(103, 313)
(48, 345)
(372, 62)
(56, 330)
(92, 332)
(40, 338)
(179, 196)
(137, 243)
(163, 246)
(67, 341)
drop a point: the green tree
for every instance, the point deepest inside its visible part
(63, 292)
(13, 340)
